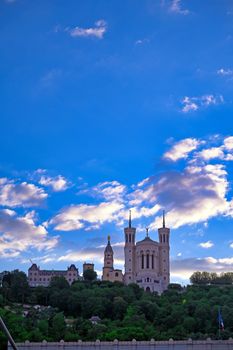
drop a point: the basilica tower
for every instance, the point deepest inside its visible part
(164, 247)
(108, 261)
(129, 251)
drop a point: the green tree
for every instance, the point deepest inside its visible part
(19, 288)
(59, 283)
(58, 327)
(89, 275)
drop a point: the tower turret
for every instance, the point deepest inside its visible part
(164, 249)
(129, 249)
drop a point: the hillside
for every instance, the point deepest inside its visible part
(124, 312)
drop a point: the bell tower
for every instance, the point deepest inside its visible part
(129, 250)
(108, 261)
(164, 250)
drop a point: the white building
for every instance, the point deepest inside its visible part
(38, 277)
(147, 261)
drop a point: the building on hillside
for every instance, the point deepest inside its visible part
(109, 273)
(147, 262)
(38, 277)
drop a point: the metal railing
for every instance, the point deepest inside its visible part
(7, 333)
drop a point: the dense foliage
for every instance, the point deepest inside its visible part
(211, 278)
(126, 312)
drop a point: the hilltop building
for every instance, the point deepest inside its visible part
(146, 262)
(109, 273)
(38, 277)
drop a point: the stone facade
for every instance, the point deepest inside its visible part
(38, 277)
(109, 273)
(147, 261)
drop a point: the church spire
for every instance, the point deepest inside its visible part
(130, 219)
(164, 219)
(147, 232)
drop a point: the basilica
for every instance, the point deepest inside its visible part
(146, 262)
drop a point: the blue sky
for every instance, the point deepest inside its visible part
(109, 106)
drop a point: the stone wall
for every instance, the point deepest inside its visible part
(131, 345)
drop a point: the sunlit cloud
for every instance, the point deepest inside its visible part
(22, 194)
(108, 190)
(181, 149)
(18, 234)
(192, 194)
(58, 183)
(206, 245)
(193, 199)
(80, 216)
(211, 153)
(97, 31)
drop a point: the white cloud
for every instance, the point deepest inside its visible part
(211, 153)
(108, 190)
(20, 194)
(175, 7)
(191, 195)
(228, 143)
(181, 149)
(192, 199)
(225, 72)
(206, 245)
(83, 216)
(188, 105)
(97, 31)
(223, 152)
(194, 103)
(58, 183)
(21, 233)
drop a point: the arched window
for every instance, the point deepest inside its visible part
(147, 261)
(126, 238)
(142, 261)
(152, 261)
(129, 238)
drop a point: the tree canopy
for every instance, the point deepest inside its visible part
(124, 312)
